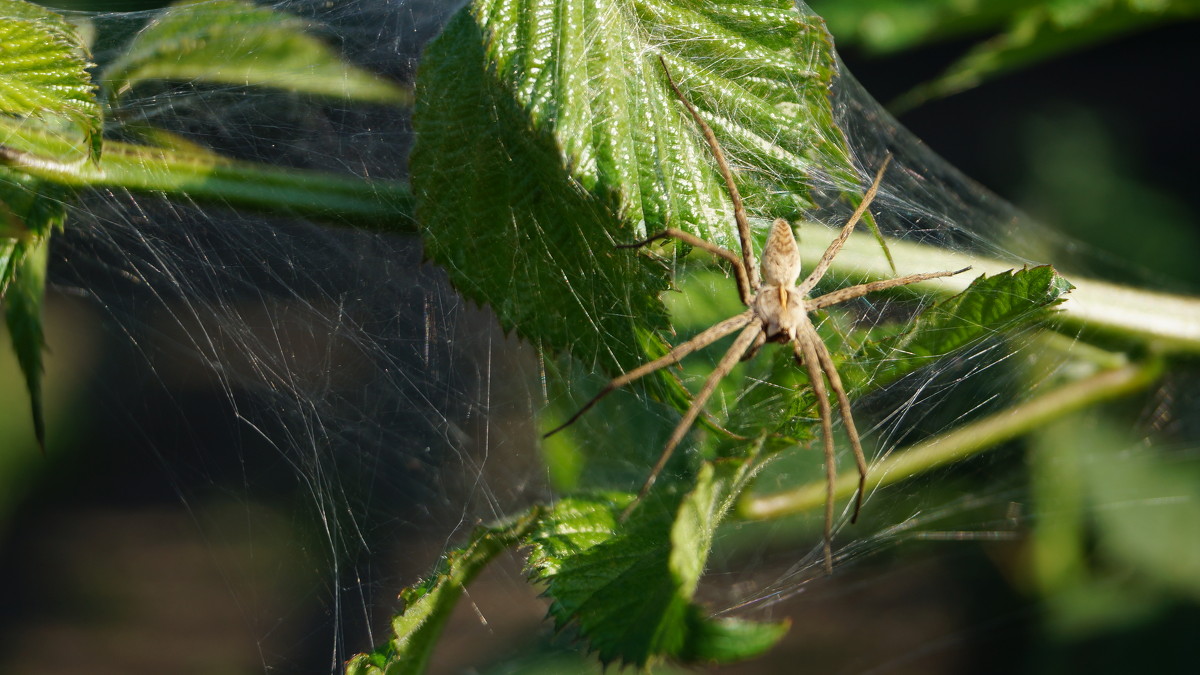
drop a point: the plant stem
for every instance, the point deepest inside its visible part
(963, 442)
(371, 204)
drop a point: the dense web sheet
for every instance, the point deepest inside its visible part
(330, 376)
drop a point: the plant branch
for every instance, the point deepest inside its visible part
(963, 442)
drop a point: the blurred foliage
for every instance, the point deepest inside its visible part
(1014, 34)
(1085, 178)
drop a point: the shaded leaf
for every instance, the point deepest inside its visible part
(43, 72)
(242, 44)
(23, 314)
(727, 640)
(31, 209)
(630, 589)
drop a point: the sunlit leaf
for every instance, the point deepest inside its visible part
(990, 307)
(238, 43)
(43, 73)
(546, 134)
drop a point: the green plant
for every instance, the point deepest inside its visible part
(541, 143)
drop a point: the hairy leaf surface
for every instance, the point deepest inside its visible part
(630, 588)
(43, 73)
(547, 134)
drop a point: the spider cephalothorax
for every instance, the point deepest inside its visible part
(777, 311)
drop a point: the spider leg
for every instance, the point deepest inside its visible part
(836, 245)
(701, 340)
(758, 343)
(739, 271)
(844, 294)
(739, 211)
(806, 353)
(726, 364)
(835, 383)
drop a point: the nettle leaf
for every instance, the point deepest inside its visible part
(547, 134)
(630, 589)
(989, 307)
(43, 72)
(428, 605)
(238, 43)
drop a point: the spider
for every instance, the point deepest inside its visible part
(777, 311)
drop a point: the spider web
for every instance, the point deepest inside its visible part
(326, 405)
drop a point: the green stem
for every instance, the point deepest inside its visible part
(963, 442)
(372, 204)
(1168, 323)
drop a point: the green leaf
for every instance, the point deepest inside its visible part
(23, 313)
(1044, 31)
(629, 589)
(31, 209)
(43, 73)
(990, 307)
(238, 43)
(547, 134)
(428, 604)
(728, 640)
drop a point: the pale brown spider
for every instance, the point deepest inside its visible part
(777, 312)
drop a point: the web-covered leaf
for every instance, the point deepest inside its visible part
(43, 73)
(630, 589)
(428, 604)
(238, 43)
(547, 134)
(990, 307)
